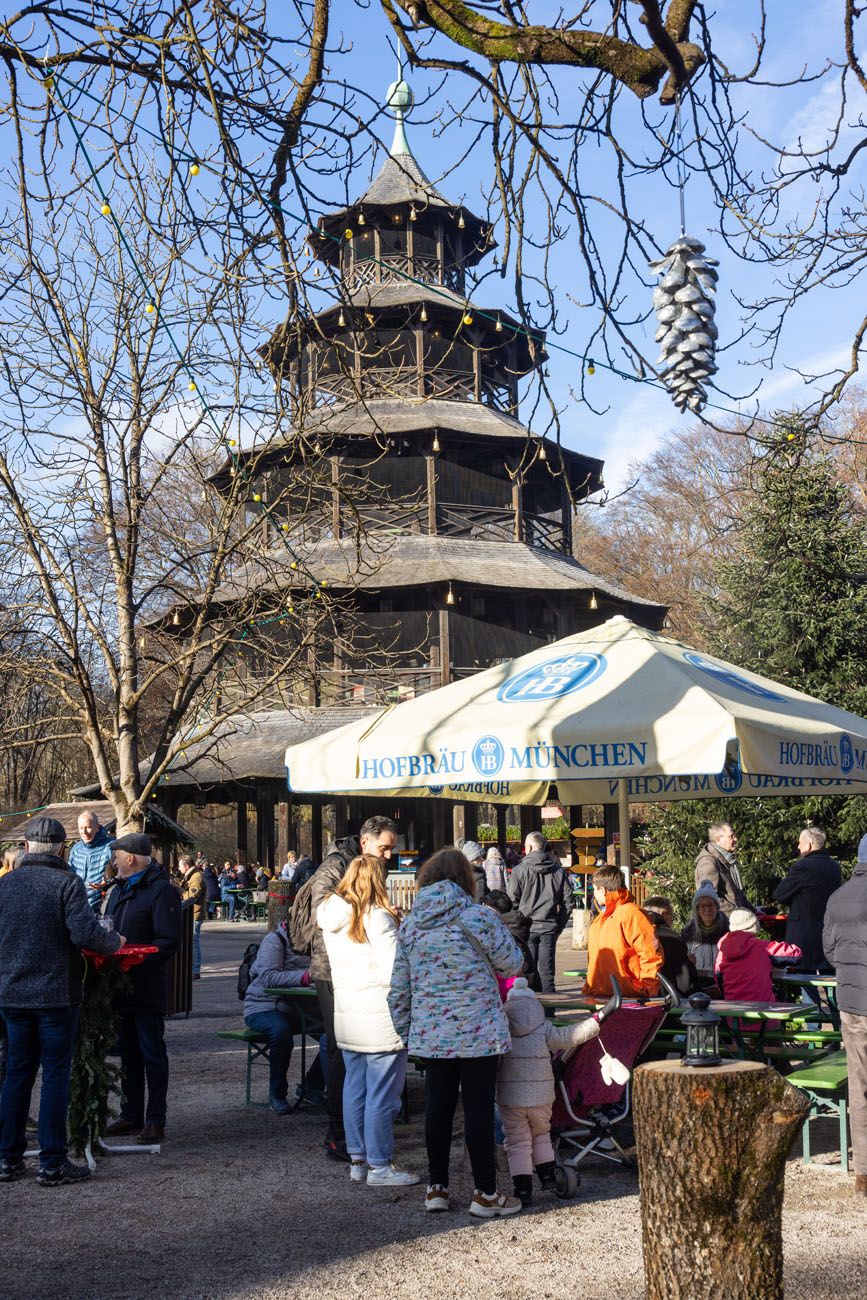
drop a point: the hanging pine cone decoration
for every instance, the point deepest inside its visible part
(684, 305)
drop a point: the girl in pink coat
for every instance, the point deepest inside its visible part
(743, 962)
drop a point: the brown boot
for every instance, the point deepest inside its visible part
(861, 1184)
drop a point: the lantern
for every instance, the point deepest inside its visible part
(702, 1032)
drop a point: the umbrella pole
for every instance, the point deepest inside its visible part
(625, 841)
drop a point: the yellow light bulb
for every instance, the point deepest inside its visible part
(468, 320)
(105, 210)
(461, 222)
(324, 582)
(192, 385)
(347, 234)
(591, 369)
(194, 169)
(294, 564)
(790, 437)
(285, 528)
(257, 496)
(150, 309)
(498, 328)
(233, 442)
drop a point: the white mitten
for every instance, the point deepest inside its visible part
(613, 1071)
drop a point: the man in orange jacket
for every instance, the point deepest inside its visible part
(621, 942)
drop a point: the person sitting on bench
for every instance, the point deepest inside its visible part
(277, 965)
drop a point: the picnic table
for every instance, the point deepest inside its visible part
(821, 988)
(306, 1003)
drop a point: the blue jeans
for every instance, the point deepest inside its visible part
(45, 1038)
(228, 900)
(143, 1055)
(371, 1099)
(197, 947)
(280, 1030)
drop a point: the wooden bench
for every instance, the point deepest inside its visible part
(257, 1050)
(824, 1082)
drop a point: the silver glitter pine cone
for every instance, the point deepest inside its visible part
(684, 305)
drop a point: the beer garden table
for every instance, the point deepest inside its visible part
(306, 1003)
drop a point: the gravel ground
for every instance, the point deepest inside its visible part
(241, 1204)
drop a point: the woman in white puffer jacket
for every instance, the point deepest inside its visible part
(359, 927)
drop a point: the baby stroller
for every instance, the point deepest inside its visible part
(590, 1106)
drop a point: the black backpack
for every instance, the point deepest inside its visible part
(245, 977)
(302, 922)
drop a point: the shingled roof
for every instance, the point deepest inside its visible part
(386, 562)
(157, 824)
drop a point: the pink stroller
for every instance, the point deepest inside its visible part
(587, 1110)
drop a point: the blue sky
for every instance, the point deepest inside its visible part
(819, 333)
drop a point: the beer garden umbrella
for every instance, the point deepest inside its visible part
(614, 713)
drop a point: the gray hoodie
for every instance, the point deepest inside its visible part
(525, 1077)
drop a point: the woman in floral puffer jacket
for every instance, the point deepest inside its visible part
(445, 1003)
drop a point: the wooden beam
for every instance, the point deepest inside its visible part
(431, 476)
(518, 507)
(241, 830)
(284, 823)
(445, 648)
(335, 496)
(501, 826)
(316, 831)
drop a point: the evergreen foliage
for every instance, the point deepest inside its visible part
(791, 604)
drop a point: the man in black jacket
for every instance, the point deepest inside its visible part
(146, 906)
(45, 921)
(377, 836)
(806, 888)
(541, 890)
(844, 939)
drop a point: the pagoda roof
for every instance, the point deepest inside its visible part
(408, 416)
(248, 747)
(385, 562)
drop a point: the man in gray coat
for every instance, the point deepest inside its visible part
(45, 921)
(541, 890)
(718, 863)
(844, 940)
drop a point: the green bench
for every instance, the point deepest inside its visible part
(824, 1082)
(257, 1050)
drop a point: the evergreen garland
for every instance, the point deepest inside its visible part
(94, 1077)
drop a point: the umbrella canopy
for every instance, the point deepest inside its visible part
(613, 713)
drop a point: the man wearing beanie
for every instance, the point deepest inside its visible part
(146, 906)
(844, 939)
(45, 921)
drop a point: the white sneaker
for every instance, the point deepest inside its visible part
(358, 1171)
(437, 1197)
(390, 1176)
(493, 1207)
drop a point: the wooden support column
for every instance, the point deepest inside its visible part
(458, 829)
(265, 804)
(445, 648)
(439, 822)
(335, 496)
(518, 507)
(471, 820)
(501, 826)
(431, 474)
(316, 831)
(341, 818)
(241, 829)
(575, 818)
(477, 373)
(527, 825)
(284, 825)
(566, 512)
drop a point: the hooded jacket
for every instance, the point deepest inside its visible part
(325, 878)
(361, 976)
(276, 966)
(712, 865)
(148, 912)
(525, 1077)
(806, 888)
(676, 966)
(542, 890)
(701, 942)
(844, 939)
(193, 889)
(495, 870)
(743, 964)
(622, 942)
(45, 920)
(89, 861)
(444, 999)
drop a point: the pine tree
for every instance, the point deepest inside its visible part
(791, 604)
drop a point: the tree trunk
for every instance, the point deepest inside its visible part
(281, 895)
(712, 1145)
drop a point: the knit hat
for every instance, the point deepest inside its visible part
(862, 849)
(520, 989)
(705, 890)
(742, 919)
(471, 850)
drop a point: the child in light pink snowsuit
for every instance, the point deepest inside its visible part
(525, 1084)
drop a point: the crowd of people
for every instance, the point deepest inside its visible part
(454, 983)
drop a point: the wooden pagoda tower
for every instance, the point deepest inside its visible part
(408, 386)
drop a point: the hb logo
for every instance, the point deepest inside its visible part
(488, 755)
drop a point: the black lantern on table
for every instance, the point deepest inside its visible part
(702, 1032)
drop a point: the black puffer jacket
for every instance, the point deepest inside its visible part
(807, 886)
(844, 939)
(147, 912)
(45, 921)
(327, 876)
(541, 890)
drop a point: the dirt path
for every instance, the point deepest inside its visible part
(241, 1204)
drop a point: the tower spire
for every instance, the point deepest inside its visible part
(400, 99)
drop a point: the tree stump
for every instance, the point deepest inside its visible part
(281, 896)
(712, 1146)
